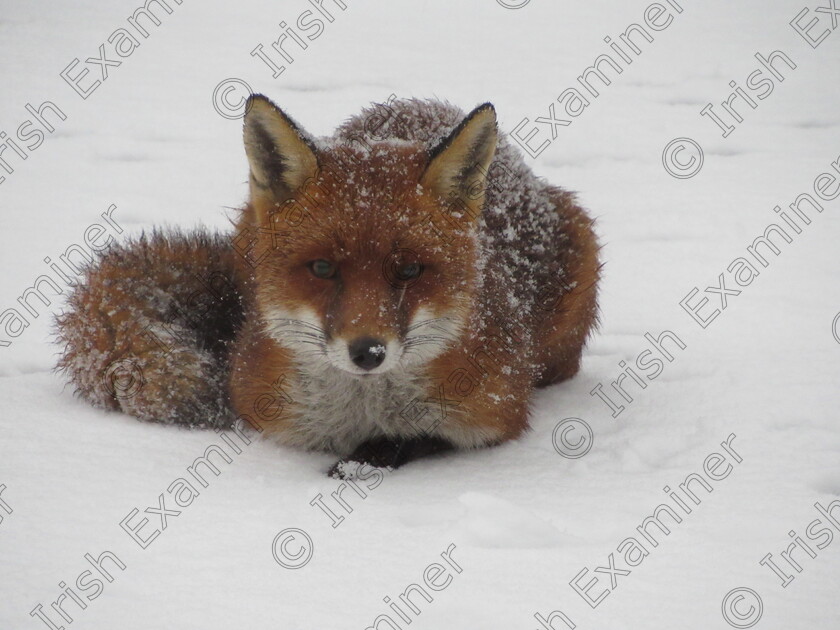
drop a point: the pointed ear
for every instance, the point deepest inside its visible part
(281, 155)
(458, 164)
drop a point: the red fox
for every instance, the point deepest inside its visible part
(392, 291)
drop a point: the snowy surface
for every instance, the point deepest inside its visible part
(525, 520)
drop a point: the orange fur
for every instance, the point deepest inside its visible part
(423, 241)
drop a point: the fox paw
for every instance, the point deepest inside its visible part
(350, 469)
(389, 453)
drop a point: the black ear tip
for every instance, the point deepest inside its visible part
(260, 101)
(484, 108)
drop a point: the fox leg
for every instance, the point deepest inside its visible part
(493, 410)
(147, 330)
(265, 387)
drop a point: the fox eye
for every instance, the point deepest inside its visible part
(410, 271)
(322, 269)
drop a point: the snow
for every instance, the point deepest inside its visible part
(525, 519)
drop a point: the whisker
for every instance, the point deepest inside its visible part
(429, 336)
(299, 322)
(300, 333)
(429, 322)
(312, 343)
(437, 341)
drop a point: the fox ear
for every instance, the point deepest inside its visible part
(458, 165)
(281, 155)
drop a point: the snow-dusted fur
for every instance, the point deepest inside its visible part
(147, 329)
(528, 290)
(525, 228)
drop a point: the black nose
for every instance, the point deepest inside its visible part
(367, 353)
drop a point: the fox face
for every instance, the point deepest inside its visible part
(365, 257)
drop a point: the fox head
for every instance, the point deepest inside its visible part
(363, 258)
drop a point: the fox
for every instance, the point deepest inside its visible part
(393, 291)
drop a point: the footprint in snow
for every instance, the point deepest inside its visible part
(491, 522)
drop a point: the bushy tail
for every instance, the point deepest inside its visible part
(148, 328)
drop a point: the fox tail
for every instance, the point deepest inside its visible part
(148, 328)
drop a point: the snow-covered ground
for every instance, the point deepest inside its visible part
(532, 527)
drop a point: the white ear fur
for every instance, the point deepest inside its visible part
(281, 155)
(458, 165)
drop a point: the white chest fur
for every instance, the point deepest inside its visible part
(338, 410)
